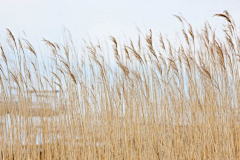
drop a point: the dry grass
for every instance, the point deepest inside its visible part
(153, 99)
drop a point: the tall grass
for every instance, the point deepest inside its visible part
(150, 99)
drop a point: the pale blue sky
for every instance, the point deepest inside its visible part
(46, 18)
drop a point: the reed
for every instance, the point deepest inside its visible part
(150, 99)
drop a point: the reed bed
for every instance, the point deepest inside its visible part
(153, 98)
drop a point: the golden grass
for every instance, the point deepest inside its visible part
(150, 99)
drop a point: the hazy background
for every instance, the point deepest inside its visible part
(100, 18)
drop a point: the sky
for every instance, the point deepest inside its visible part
(37, 19)
(101, 18)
